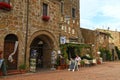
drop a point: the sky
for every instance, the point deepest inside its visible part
(102, 14)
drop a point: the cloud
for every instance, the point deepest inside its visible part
(111, 11)
(88, 8)
(100, 14)
(85, 23)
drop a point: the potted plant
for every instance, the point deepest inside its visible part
(82, 63)
(22, 68)
(58, 63)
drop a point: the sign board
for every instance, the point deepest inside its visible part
(53, 57)
(33, 65)
(62, 40)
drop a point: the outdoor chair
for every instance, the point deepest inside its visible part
(87, 62)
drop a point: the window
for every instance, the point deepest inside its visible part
(65, 28)
(45, 9)
(69, 30)
(62, 27)
(73, 12)
(7, 1)
(73, 31)
(62, 7)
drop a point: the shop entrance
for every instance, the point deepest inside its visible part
(71, 52)
(40, 50)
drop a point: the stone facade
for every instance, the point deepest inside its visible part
(88, 35)
(24, 23)
(96, 39)
(114, 40)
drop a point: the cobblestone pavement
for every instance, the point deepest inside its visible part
(105, 71)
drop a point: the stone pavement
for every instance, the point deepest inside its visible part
(105, 71)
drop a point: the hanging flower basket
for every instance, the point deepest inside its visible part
(45, 18)
(5, 6)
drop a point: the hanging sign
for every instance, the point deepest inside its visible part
(62, 40)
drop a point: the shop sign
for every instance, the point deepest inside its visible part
(62, 40)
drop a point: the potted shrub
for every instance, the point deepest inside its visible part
(22, 68)
(58, 63)
(82, 63)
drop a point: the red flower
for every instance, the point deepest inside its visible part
(45, 18)
(4, 5)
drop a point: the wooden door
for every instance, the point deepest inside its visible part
(8, 49)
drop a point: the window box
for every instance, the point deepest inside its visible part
(45, 18)
(5, 6)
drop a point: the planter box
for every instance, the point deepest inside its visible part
(5, 6)
(1, 73)
(45, 18)
(59, 68)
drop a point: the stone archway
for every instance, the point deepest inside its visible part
(43, 45)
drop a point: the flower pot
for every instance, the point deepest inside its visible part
(22, 71)
(59, 67)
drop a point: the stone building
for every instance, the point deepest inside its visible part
(114, 41)
(27, 26)
(96, 39)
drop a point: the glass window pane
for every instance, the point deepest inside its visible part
(73, 12)
(1, 0)
(45, 8)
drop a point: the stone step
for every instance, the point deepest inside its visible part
(13, 72)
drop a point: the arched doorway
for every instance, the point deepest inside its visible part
(11, 51)
(43, 45)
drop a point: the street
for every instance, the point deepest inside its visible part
(105, 71)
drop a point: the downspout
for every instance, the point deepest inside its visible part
(26, 35)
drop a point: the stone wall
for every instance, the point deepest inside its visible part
(27, 18)
(14, 22)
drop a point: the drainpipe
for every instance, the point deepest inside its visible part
(26, 35)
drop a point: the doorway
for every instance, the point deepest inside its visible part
(71, 52)
(11, 49)
(43, 45)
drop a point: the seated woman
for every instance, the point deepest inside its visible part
(78, 59)
(73, 65)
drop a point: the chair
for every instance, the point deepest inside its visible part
(87, 62)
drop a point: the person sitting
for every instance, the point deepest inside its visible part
(73, 65)
(78, 59)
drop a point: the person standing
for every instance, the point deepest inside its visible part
(3, 65)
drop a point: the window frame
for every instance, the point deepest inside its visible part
(62, 7)
(7, 1)
(45, 9)
(73, 13)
